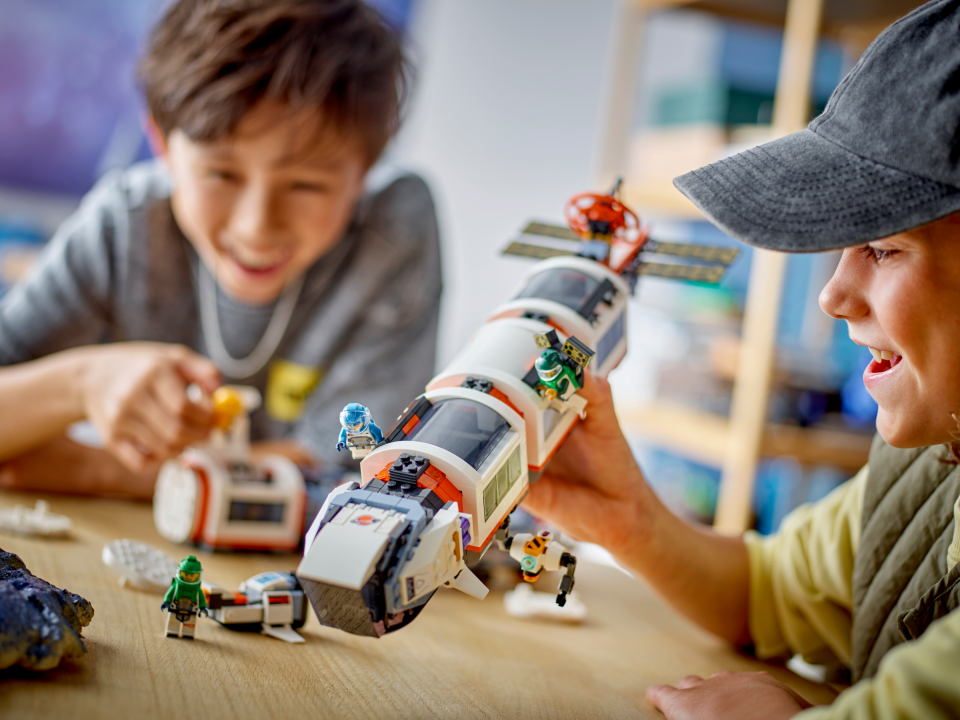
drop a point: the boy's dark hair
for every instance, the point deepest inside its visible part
(210, 61)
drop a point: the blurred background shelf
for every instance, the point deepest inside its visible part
(689, 121)
(661, 196)
(704, 437)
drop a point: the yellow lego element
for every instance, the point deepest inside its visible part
(542, 341)
(535, 546)
(576, 354)
(227, 404)
(288, 387)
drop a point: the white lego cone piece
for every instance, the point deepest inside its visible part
(469, 583)
(282, 632)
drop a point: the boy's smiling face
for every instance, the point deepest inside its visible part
(262, 204)
(901, 295)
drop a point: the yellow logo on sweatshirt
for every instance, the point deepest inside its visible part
(288, 387)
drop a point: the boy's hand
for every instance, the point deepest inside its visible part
(592, 489)
(63, 466)
(737, 696)
(135, 394)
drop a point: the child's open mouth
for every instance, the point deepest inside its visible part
(884, 361)
(254, 265)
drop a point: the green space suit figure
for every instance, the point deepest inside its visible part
(183, 598)
(557, 377)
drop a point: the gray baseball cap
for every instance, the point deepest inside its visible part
(883, 157)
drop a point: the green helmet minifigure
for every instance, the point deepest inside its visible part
(184, 598)
(554, 374)
(190, 569)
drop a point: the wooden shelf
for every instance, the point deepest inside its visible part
(662, 198)
(705, 438)
(838, 15)
(736, 444)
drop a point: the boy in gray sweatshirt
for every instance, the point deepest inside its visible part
(257, 250)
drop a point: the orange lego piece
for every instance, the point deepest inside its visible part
(411, 424)
(536, 546)
(437, 481)
(432, 478)
(499, 395)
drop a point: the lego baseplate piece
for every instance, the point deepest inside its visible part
(139, 564)
(525, 602)
(38, 521)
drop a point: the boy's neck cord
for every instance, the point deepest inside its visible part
(240, 368)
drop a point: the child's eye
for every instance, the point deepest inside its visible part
(876, 253)
(310, 187)
(224, 175)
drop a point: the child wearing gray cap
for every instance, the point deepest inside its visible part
(866, 579)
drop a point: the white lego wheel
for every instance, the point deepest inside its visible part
(176, 502)
(140, 564)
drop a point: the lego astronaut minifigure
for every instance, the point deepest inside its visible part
(537, 553)
(557, 377)
(359, 434)
(183, 600)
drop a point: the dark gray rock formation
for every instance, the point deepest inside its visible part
(39, 624)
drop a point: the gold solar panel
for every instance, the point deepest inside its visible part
(697, 273)
(538, 252)
(707, 253)
(552, 231)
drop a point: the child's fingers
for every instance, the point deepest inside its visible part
(689, 681)
(660, 696)
(175, 431)
(147, 440)
(130, 455)
(197, 369)
(170, 392)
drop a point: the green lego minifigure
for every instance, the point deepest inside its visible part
(557, 377)
(183, 598)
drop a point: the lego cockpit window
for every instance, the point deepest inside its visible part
(464, 427)
(562, 285)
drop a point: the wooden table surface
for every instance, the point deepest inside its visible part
(460, 658)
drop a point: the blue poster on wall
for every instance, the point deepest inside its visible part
(70, 109)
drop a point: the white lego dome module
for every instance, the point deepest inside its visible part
(141, 565)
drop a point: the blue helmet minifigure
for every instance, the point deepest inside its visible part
(360, 433)
(355, 418)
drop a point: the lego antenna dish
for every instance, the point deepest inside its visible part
(592, 215)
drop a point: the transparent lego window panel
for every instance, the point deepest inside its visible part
(562, 285)
(610, 340)
(466, 428)
(499, 485)
(256, 512)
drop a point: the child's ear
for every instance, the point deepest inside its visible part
(155, 137)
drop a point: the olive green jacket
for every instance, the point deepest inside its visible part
(868, 578)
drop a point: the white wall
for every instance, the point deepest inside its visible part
(505, 126)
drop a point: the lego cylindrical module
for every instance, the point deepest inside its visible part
(217, 496)
(577, 297)
(439, 488)
(501, 356)
(433, 497)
